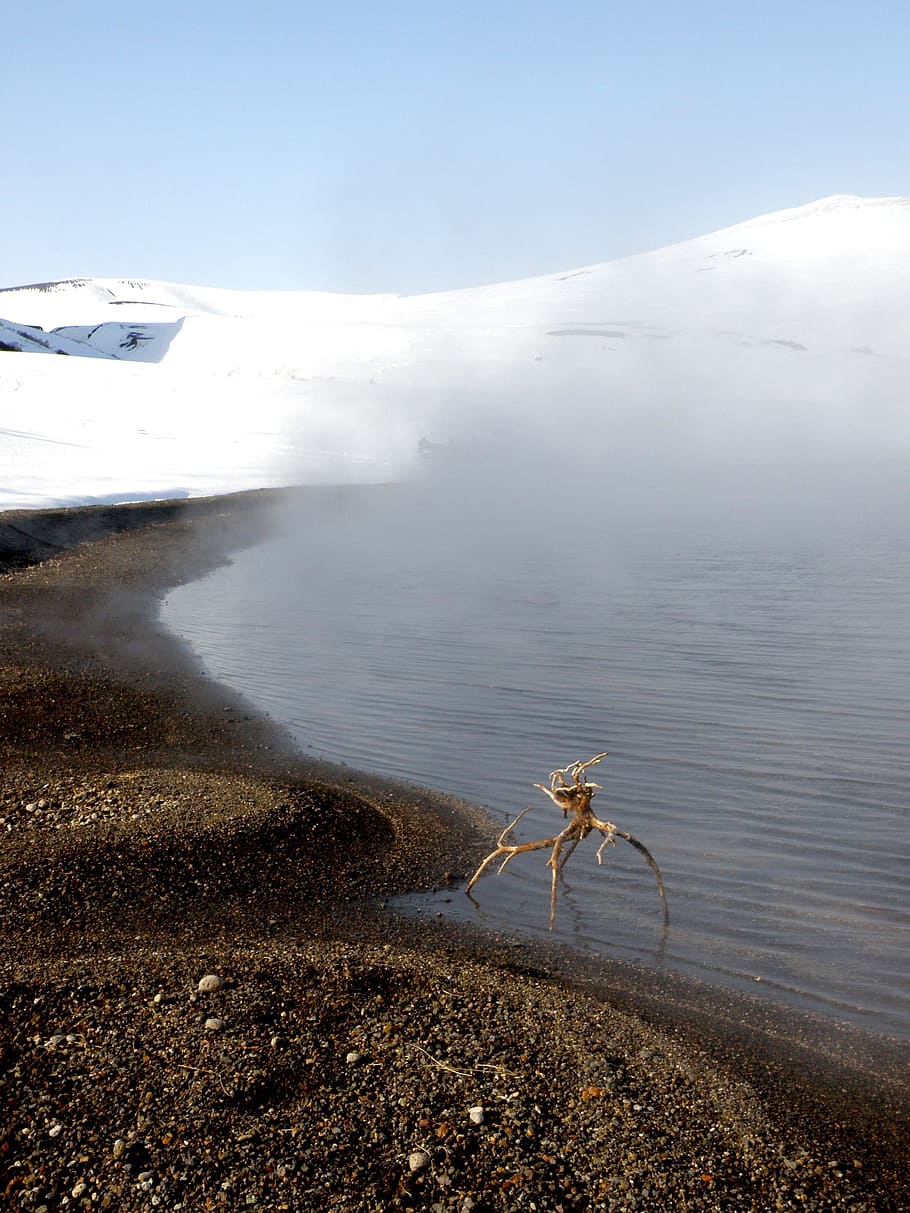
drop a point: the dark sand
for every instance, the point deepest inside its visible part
(154, 830)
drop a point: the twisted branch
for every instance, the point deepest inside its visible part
(570, 791)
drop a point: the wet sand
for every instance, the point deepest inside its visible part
(154, 830)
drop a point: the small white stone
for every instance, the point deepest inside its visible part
(418, 1160)
(210, 983)
(55, 1130)
(476, 1114)
(214, 1024)
(353, 1058)
(79, 1189)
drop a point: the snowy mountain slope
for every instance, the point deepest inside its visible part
(26, 339)
(91, 300)
(137, 342)
(790, 332)
(836, 273)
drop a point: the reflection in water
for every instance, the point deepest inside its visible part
(754, 697)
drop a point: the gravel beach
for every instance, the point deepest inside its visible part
(204, 1004)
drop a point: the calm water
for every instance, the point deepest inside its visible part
(751, 684)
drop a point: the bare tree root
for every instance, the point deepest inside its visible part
(652, 863)
(570, 791)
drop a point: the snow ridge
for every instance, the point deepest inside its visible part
(789, 331)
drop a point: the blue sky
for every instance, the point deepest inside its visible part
(418, 146)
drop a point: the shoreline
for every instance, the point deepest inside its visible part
(182, 834)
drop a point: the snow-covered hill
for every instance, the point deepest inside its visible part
(786, 334)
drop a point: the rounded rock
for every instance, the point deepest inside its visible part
(214, 1024)
(210, 983)
(476, 1114)
(418, 1160)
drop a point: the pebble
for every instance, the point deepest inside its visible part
(214, 1024)
(353, 1058)
(476, 1115)
(79, 1189)
(418, 1160)
(210, 983)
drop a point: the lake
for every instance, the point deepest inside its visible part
(747, 669)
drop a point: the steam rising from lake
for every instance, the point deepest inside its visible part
(743, 653)
(659, 508)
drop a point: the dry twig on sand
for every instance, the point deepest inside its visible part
(573, 795)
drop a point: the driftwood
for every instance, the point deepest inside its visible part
(570, 791)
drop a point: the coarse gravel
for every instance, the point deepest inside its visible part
(204, 1004)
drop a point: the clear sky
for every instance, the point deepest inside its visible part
(413, 146)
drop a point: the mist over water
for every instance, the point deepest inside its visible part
(674, 531)
(736, 636)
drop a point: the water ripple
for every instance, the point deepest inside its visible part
(755, 703)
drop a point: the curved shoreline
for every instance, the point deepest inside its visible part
(181, 833)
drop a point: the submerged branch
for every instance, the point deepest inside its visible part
(570, 790)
